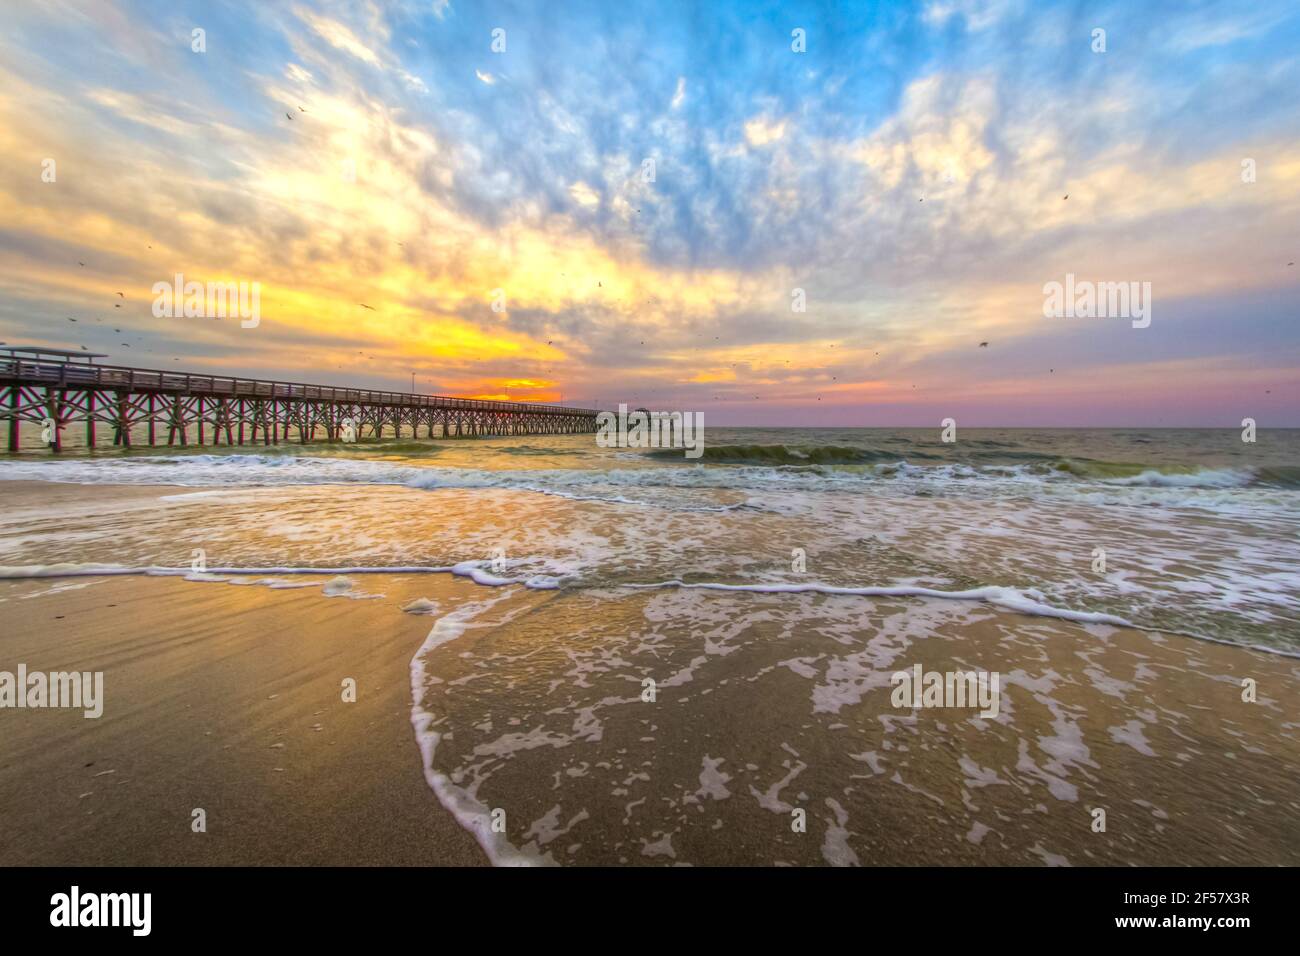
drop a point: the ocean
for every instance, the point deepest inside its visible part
(662, 660)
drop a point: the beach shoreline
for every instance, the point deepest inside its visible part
(224, 693)
(226, 699)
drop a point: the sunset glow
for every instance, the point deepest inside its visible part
(384, 175)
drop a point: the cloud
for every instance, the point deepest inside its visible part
(918, 204)
(976, 14)
(761, 131)
(584, 195)
(338, 36)
(1200, 29)
(372, 51)
(679, 94)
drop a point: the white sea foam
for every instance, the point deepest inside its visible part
(1021, 600)
(1205, 478)
(613, 484)
(469, 812)
(1010, 598)
(944, 529)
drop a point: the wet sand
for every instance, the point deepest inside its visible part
(226, 695)
(766, 705)
(224, 698)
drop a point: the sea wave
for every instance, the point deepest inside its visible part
(825, 467)
(795, 455)
(992, 458)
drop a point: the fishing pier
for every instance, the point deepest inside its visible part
(57, 389)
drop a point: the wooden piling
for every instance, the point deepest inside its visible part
(61, 391)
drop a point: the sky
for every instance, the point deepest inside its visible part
(775, 214)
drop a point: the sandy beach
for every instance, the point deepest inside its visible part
(225, 693)
(223, 698)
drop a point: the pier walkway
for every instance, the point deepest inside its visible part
(56, 389)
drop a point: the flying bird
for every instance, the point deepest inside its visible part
(72, 320)
(1066, 196)
(983, 345)
(121, 296)
(289, 117)
(364, 306)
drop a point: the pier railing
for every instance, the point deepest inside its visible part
(124, 378)
(136, 402)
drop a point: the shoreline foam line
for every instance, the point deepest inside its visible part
(1010, 599)
(471, 814)
(469, 569)
(989, 594)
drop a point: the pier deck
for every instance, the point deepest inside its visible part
(51, 390)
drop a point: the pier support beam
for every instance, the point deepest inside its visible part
(15, 423)
(53, 394)
(54, 414)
